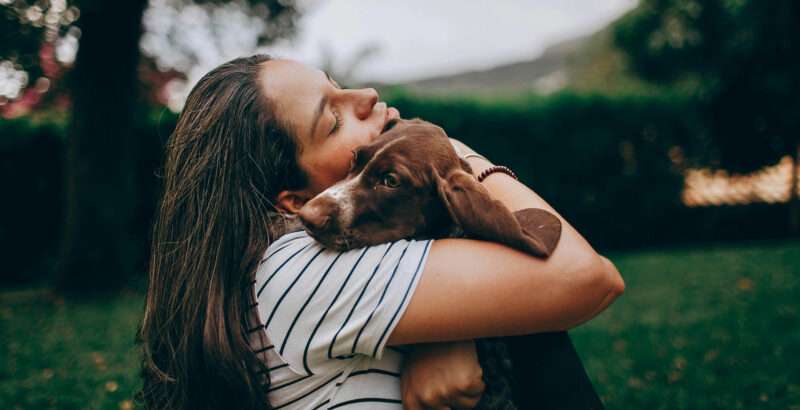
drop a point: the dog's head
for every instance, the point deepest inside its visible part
(410, 183)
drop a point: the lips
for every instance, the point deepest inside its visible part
(392, 113)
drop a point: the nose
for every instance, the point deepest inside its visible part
(365, 99)
(315, 215)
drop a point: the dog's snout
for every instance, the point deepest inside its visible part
(315, 214)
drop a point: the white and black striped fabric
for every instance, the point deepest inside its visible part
(327, 316)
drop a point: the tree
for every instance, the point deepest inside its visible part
(741, 59)
(97, 251)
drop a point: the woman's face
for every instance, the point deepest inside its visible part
(328, 121)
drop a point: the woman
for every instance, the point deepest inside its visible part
(258, 136)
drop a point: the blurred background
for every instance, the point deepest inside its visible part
(666, 131)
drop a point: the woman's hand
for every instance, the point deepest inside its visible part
(442, 376)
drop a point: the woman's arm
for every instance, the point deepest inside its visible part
(473, 289)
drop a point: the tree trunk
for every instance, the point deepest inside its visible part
(96, 253)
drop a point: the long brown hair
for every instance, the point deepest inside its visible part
(226, 161)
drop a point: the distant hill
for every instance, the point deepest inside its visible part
(586, 63)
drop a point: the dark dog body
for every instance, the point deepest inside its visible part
(409, 183)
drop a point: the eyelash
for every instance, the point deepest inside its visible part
(337, 125)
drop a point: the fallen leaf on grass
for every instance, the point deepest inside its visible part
(678, 342)
(679, 362)
(98, 358)
(745, 284)
(111, 386)
(635, 383)
(711, 355)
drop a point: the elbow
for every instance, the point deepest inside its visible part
(615, 282)
(599, 286)
(606, 283)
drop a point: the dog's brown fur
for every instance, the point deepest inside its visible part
(410, 183)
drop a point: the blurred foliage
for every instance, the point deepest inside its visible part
(741, 58)
(25, 25)
(32, 168)
(613, 166)
(107, 204)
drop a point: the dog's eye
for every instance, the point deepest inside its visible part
(390, 181)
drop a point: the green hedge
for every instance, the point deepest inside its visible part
(31, 174)
(612, 166)
(603, 162)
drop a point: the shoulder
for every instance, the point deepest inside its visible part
(317, 304)
(295, 247)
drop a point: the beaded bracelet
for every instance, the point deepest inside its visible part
(498, 168)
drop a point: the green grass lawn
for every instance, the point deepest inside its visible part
(707, 327)
(714, 327)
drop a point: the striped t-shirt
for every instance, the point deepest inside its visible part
(327, 317)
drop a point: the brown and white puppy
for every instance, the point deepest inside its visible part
(410, 183)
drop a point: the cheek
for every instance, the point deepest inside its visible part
(330, 168)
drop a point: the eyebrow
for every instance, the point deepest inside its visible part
(320, 108)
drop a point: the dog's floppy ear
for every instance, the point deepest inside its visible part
(473, 209)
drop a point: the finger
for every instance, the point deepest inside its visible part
(474, 389)
(411, 402)
(465, 401)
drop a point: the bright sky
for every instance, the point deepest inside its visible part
(409, 39)
(423, 38)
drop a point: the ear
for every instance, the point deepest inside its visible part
(292, 201)
(477, 213)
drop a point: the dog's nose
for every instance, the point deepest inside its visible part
(315, 215)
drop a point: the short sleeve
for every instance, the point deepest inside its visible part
(321, 307)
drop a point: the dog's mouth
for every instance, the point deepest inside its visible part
(338, 240)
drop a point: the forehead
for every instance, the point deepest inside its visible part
(295, 89)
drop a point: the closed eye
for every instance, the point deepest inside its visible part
(337, 125)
